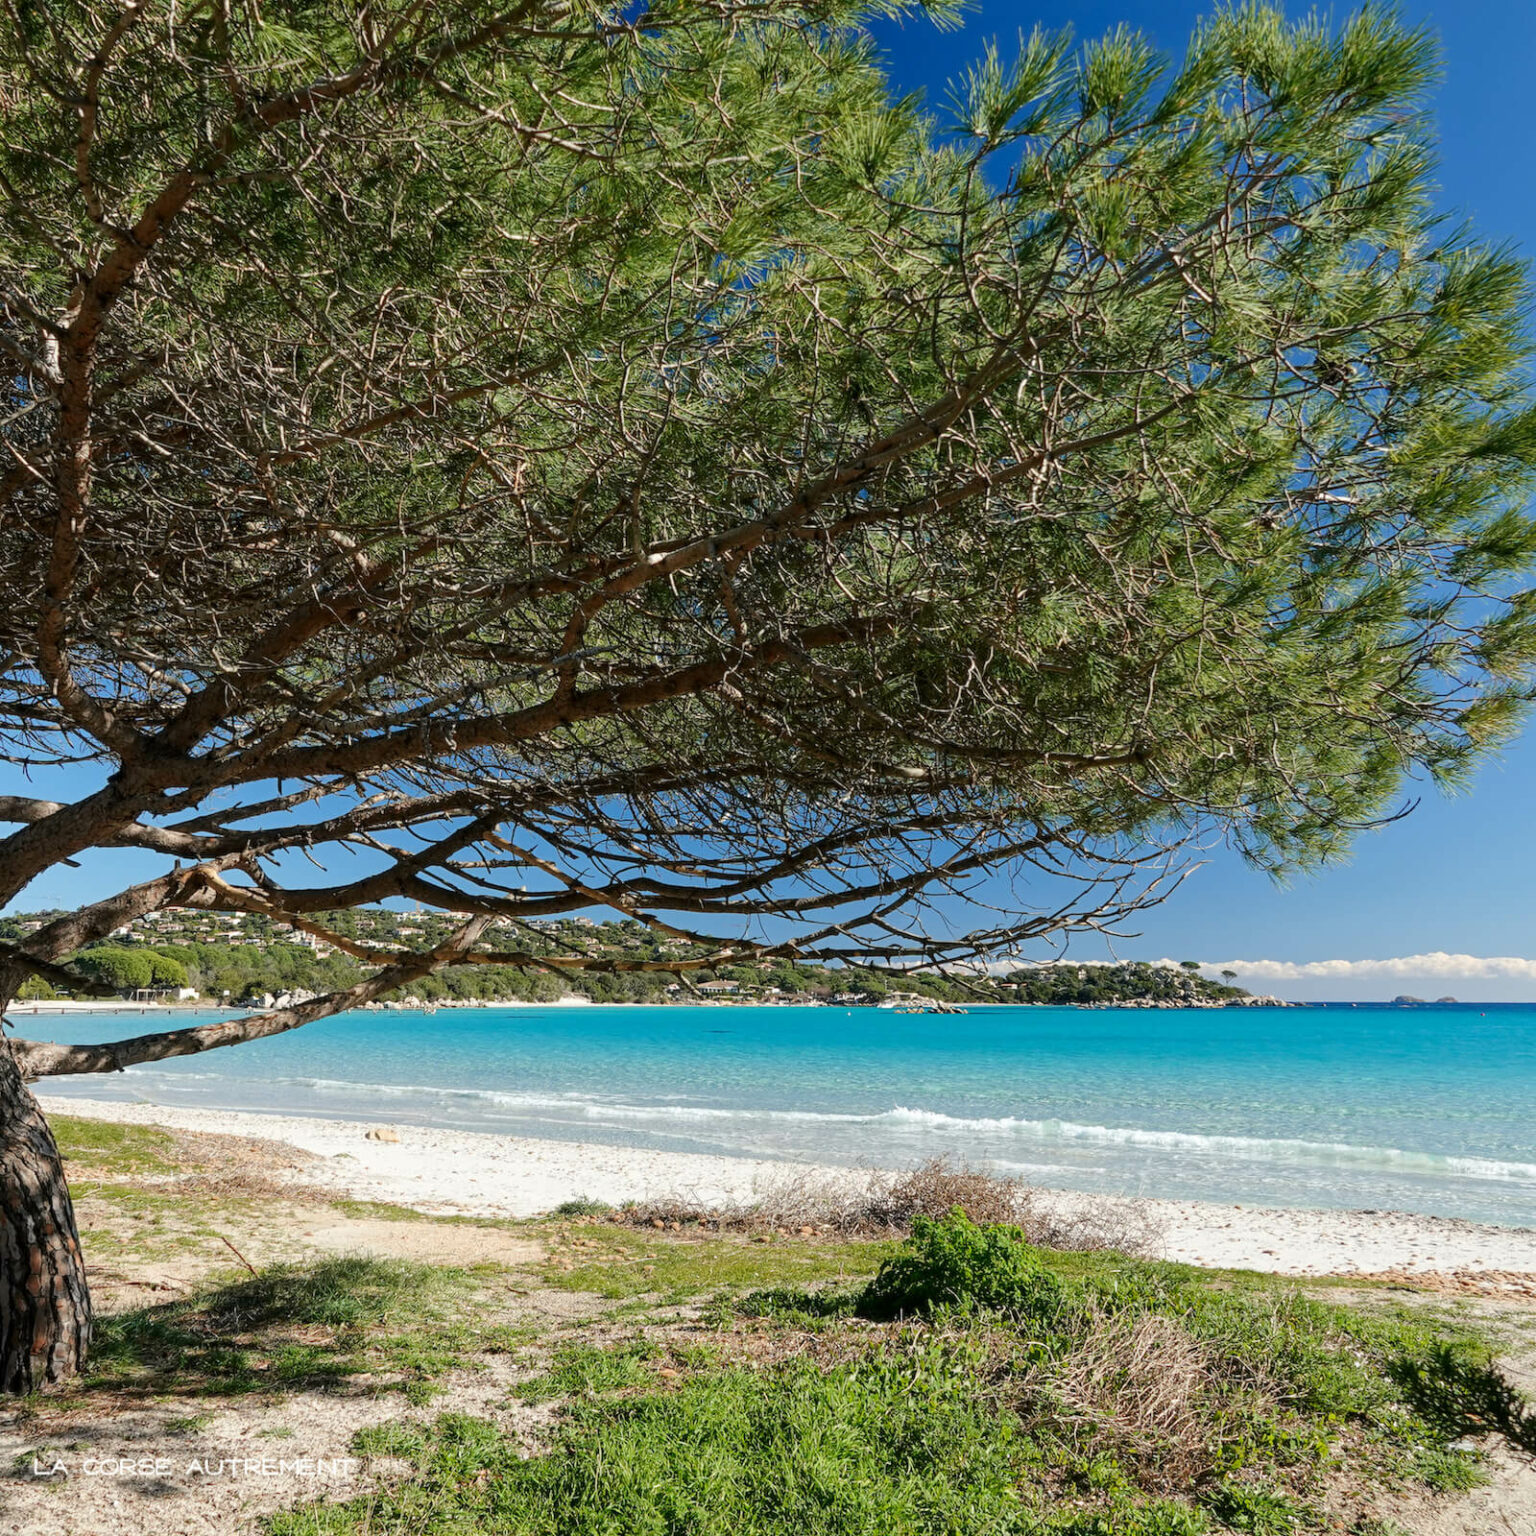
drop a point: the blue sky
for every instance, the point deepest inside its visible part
(1458, 876)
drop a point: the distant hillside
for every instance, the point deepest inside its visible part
(239, 958)
(1132, 981)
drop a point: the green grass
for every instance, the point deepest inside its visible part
(1025, 1394)
(377, 1210)
(108, 1148)
(898, 1446)
(585, 1370)
(312, 1326)
(343, 1292)
(620, 1262)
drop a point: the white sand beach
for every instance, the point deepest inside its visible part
(478, 1174)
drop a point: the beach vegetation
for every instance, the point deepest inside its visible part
(883, 1202)
(582, 1205)
(763, 1383)
(314, 1326)
(1143, 1399)
(521, 462)
(108, 1147)
(955, 1262)
(378, 1210)
(618, 1262)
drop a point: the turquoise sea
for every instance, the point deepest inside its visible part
(1429, 1109)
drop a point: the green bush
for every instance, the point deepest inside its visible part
(954, 1262)
(582, 1205)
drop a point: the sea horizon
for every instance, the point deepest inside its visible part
(1341, 1106)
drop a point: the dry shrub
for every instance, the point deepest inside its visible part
(1094, 1223)
(939, 1186)
(882, 1203)
(1137, 1379)
(799, 1200)
(235, 1184)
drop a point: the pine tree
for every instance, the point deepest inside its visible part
(523, 459)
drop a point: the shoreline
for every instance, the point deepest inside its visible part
(477, 1173)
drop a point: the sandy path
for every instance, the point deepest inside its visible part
(471, 1173)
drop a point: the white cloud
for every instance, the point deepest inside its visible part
(1438, 964)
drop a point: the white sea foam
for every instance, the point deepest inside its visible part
(905, 1123)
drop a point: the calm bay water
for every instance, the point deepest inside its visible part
(1429, 1109)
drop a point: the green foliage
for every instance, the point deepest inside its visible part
(582, 1206)
(758, 471)
(125, 970)
(953, 1262)
(1253, 1509)
(245, 971)
(166, 970)
(129, 970)
(897, 1447)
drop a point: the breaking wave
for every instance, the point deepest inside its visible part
(907, 1129)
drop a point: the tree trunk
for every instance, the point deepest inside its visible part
(45, 1307)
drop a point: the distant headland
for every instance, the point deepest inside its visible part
(195, 958)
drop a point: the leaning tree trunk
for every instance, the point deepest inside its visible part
(45, 1307)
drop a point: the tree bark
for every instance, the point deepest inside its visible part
(45, 1305)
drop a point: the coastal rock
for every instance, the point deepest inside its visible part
(383, 1133)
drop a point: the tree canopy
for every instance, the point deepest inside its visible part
(535, 458)
(127, 970)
